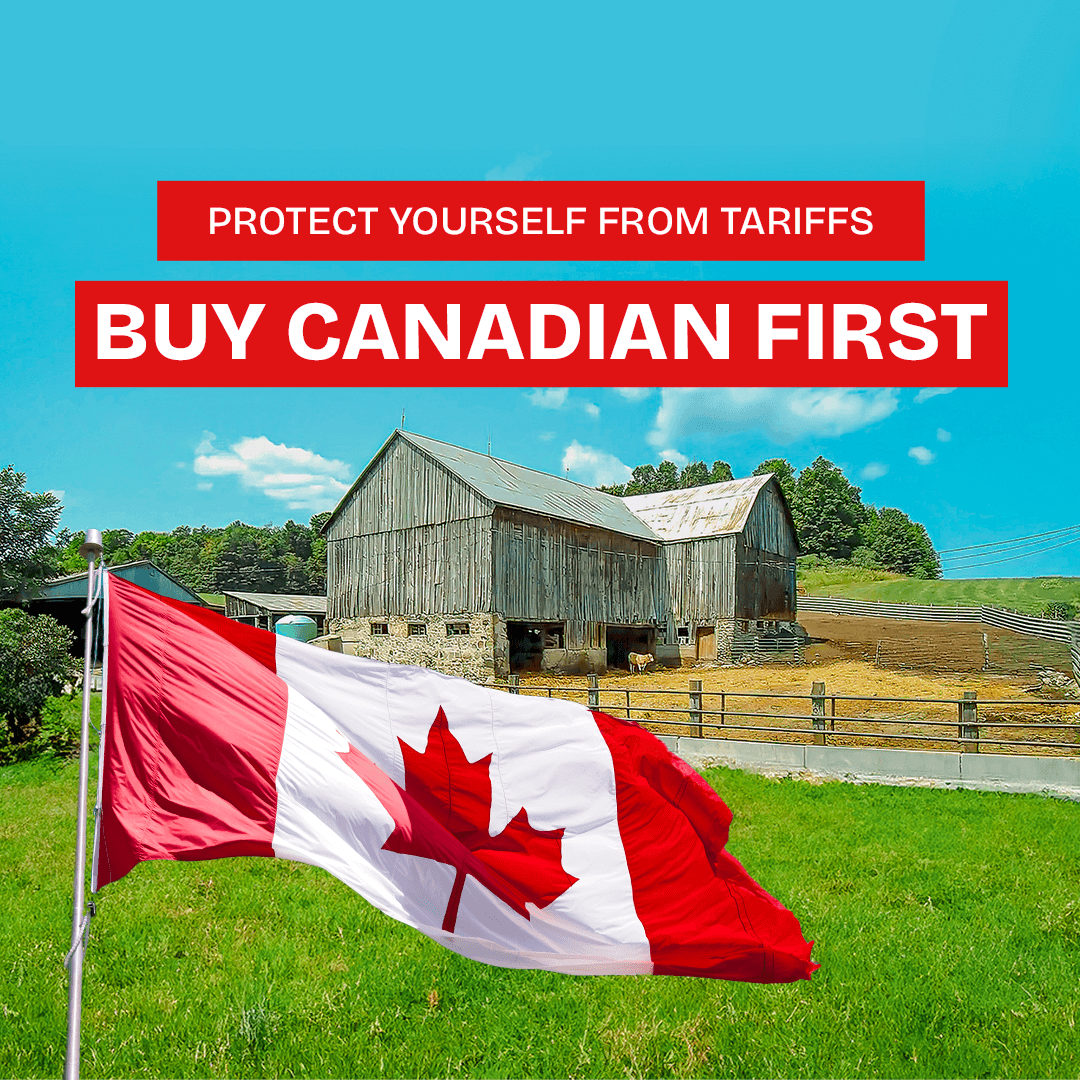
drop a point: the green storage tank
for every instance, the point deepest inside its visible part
(299, 627)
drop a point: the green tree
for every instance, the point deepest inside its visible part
(290, 558)
(782, 469)
(28, 521)
(35, 663)
(694, 474)
(720, 472)
(902, 545)
(828, 511)
(667, 476)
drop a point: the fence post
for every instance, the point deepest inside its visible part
(594, 692)
(695, 706)
(817, 702)
(514, 684)
(627, 704)
(986, 652)
(969, 726)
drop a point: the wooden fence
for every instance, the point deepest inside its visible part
(964, 722)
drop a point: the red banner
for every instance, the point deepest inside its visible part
(549, 220)
(541, 333)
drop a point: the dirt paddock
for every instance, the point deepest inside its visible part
(943, 647)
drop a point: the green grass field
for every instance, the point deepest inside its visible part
(947, 927)
(1029, 595)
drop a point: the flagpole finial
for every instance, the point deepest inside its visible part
(92, 547)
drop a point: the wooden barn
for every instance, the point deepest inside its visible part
(445, 557)
(729, 554)
(459, 561)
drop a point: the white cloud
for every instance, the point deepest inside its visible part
(180, 464)
(943, 435)
(873, 470)
(591, 466)
(782, 414)
(519, 169)
(57, 493)
(301, 479)
(922, 455)
(633, 393)
(546, 436)
(674, 456)
(927, 392)
(204, 486)
(551, 397)
(558, 397)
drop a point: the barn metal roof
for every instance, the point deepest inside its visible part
(142, 572)
(277, 603)
(507, 484)
(710, 510)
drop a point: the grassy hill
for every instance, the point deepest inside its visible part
(1029, 595)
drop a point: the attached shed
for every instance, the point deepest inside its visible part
(264, 609)
(729, 562)
(446, 557)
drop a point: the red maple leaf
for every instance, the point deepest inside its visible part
(443, 813)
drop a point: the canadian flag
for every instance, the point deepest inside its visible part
(519, 831)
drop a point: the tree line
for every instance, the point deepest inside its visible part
(289, 558)
(831, 520)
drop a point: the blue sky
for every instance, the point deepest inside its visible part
(980, 100)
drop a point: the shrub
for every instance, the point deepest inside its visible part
(35, 663)
(1060, 609)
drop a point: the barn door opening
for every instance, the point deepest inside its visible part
(526, 642)
(706, 642)
(623, 640)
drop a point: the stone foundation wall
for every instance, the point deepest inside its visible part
(500, 648)
(470, 656)
(574, 661)
(725, 639)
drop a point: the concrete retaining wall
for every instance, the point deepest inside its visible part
(1058, 776)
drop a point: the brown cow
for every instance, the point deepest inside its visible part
(639, 661)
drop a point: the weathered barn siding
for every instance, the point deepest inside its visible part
(411, 538)
(765, 560)
(764, 584)
(550, 570)
(402, 489)
(768, 525)
(432, 569)
(700, 580)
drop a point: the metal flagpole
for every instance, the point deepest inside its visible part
(91, 551)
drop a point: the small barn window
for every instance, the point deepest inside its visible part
(380, 629)
(417, 629)
(682, 633)
(457, 629)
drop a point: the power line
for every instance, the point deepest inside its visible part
(1010, 558)
(1015, 540)
(1034, 547)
